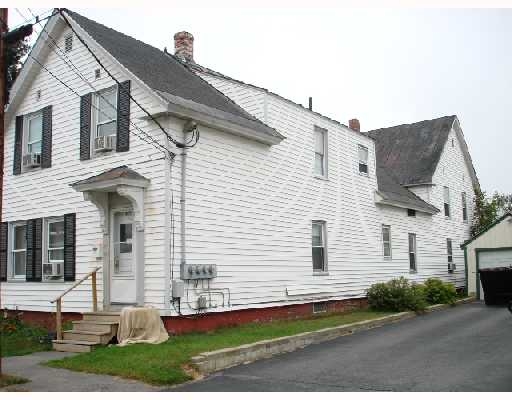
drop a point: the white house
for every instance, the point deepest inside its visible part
(197, 193)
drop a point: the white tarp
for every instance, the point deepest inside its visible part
(140, 325)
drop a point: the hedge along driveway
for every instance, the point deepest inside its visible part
(162, 364)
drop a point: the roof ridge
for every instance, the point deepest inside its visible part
(412, 123)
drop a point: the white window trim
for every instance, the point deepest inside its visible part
(323, 224)
(46, 239)
(24, 141)
(390, 257)
(412, 271)
(449, 216)
(10, 260)
(95, 110)
(464, 199)
(325, 155)
(363, 162)
(449, 250)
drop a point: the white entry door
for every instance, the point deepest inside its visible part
(493, 259)
(122, 271)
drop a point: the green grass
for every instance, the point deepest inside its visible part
(7, 380)
(18, 338)
(162, 364)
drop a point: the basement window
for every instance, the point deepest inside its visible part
(320, 307)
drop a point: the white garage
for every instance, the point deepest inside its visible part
(491, 248)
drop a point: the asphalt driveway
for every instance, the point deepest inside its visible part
(466, 348)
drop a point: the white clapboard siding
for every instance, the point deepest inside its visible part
(250, 207)
(46, 192)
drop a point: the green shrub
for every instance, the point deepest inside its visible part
(397, 295)
(439, 292)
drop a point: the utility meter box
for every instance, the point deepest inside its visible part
(198, 271)
(178, 289)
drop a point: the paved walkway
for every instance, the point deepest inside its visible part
(466, 348)
(46, 379)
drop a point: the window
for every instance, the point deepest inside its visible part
(320, 151)
(34, 133)
(411, 213)
(97, 73)
(320, 307)
(68, 43)
(106, 112)
(55, 241)
(363, 159)
(412, 252)
(453, 144)
(449, 250)
(319, 256)
(19, 250)
(464, 208)
(386, 241)
(446, 195)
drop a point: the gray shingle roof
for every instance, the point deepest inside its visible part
(393, 192)
(410, 152)
(115, 173)
(161, 71)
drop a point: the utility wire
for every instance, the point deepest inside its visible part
(143, 138)
(174, 141)
(37, 18)
(69, 63)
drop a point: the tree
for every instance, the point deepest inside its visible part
(14, 53)
(504, 202)
(486, 211)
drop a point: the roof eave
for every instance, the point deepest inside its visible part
(380, 198)
(214, 118)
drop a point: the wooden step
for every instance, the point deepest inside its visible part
(74, 346)
(104, 316)
(95, 326)
(87, 336)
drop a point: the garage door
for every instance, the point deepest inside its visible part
(492, 259)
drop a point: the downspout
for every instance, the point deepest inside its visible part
(182, 207)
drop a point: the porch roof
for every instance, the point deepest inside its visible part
(116, 176)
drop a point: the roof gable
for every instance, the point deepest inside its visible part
(411, 152)
(486, 229)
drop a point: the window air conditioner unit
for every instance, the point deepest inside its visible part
(103, 144)
(32, 160)
(451, 267)
(53, 270)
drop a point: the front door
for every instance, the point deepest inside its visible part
(122, 265)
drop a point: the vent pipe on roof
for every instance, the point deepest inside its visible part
(311, 103)
(184, 46)
(354, 125)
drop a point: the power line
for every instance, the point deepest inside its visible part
(69, 63)
(146, 138)
(176, 142)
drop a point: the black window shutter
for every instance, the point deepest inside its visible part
(123, 116)
(38, 250)
(69, 246)
(4, 235)
(46, 146)
(85, 126)
(29, 264)
(18, 140)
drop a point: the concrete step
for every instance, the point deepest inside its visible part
(96, 326)
(87, 336)
(74, 346)
(104, 316)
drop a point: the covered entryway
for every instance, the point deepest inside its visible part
(119, 196)
(490, 249)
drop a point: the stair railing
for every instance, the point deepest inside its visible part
(58, 300)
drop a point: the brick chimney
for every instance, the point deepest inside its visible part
(184, 46)
(354, 125)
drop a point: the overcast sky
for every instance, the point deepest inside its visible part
(384, 67)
